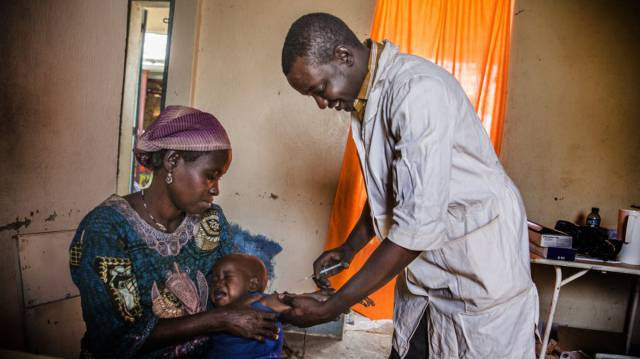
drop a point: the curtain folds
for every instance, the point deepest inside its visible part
(469, 38)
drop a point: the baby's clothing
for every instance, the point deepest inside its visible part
(226, 346)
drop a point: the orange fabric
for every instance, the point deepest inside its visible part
(470, 38)
(348, 203)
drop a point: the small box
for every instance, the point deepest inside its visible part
(548, 237)
(555, 253)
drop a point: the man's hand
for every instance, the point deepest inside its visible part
(360, 235)
(306, 311)
(342, 254)
(321, 295)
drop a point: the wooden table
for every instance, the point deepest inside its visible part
(584, 267)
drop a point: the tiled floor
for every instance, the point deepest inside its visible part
(362, 338)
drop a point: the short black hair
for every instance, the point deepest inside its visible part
(315, 36)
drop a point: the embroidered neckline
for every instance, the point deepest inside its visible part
(166, 244)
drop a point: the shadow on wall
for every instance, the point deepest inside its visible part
(257, 245)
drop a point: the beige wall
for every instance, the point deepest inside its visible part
(571, 138)
(61, 87)
(61, 97)
(571, 130)
(282, 143)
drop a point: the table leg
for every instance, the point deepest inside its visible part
(552, 310)
(632, 315)
(554, 303)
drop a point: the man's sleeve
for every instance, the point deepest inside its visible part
(117, 325)
(421, 122)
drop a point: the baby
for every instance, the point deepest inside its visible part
(233, 278)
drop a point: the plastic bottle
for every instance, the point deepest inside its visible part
(593, 219)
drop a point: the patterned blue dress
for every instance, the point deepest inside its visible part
(130, 275)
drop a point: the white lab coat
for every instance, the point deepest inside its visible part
(435, 184)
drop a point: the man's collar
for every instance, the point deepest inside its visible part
(374, 56)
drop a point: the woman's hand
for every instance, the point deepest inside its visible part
(250, 323)
(306, 311)
(237, 319)
(242, 320)
(342, 254)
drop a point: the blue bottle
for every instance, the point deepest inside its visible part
(593, 219)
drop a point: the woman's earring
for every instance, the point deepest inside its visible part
(169, 178)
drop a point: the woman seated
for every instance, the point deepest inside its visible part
(140, 260)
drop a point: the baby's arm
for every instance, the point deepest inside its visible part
(272, 301)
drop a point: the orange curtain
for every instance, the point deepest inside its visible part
(469, 38)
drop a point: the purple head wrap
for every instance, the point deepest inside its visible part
(182, 128)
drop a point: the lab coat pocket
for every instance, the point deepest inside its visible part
(465, 218)
(484, 267)
(505, 331)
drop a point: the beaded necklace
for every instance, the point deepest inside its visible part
(160, 226)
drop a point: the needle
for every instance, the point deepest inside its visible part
(366, 301)
(324, 271)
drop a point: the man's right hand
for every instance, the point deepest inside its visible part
(329, 258)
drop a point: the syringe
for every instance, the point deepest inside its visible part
(325, 271)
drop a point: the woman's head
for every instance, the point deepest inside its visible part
(188, 151)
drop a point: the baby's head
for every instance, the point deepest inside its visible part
(235, 275)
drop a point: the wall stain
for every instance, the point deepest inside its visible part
(273, 196)
(14, 226)
(52, 217)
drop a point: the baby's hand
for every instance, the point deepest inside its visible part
(272, 301)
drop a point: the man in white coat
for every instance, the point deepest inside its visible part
(451, 221)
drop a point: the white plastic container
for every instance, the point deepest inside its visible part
(630, 252)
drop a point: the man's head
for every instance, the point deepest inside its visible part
(324, 59)
(236, 275)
